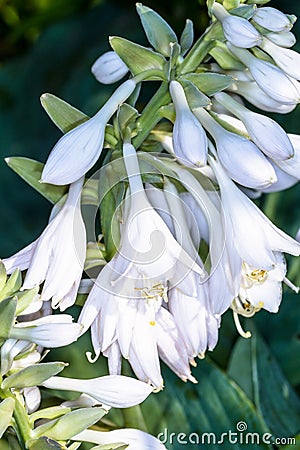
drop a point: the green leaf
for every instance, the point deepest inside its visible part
(71, 423)
(215, 405)
(158, 31)
(136, 57)
(230, 4)
(61, 113)
(195, 98)
(209, 83)
(224, 57)
(6, 412)
(48, 413)
(187, 37)
(33, 375)
(12, 285)
(31, 172)
(263, 379)
(3, 276)
(7, 315)
(25, 298)
(127, 116)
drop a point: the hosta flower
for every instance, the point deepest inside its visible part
(256, 237)
(241, 158)
(260, 288)
(272, 19)
(237, 30)
(264, 131)
(288, 60)
(124, 306)
(225, 262)
(109, 68)
(113, 390)
(49, 331)
(189, 138)
(11, 349)
(78, 150)
(57, 256)
(257, 97)
(134, 439)
(272, 80)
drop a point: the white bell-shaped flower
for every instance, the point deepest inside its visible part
(256, 238)
(57, 256)
(78, 150)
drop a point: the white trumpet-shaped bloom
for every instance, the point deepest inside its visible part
(79, 149)
(134, 439)
(109, 68)
(116, 391)
(57, 256)
(256, 238)
(288, 60)
(260, 288)
(241, 158)
(272, 80)
(237, 30)
(189, 137)
(272, 19)
(267, 134)
(124, 306)
(48, 331)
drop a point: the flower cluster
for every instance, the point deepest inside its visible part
(183, 239)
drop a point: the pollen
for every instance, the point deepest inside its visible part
(258, 275)
(152, 323)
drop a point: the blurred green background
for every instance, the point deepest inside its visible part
(49, 46)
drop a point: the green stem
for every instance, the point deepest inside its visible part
(200, 50)
(150, 116)
(133, 418)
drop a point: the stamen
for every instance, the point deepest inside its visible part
(291, 285)
(244, 334)
(90, 358)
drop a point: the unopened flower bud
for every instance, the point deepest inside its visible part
(189, 137)
(270, 78)
(237, 30)
(109, 68)
(272, 19)
(288, 60)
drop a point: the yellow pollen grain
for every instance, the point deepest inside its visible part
(152, 323)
